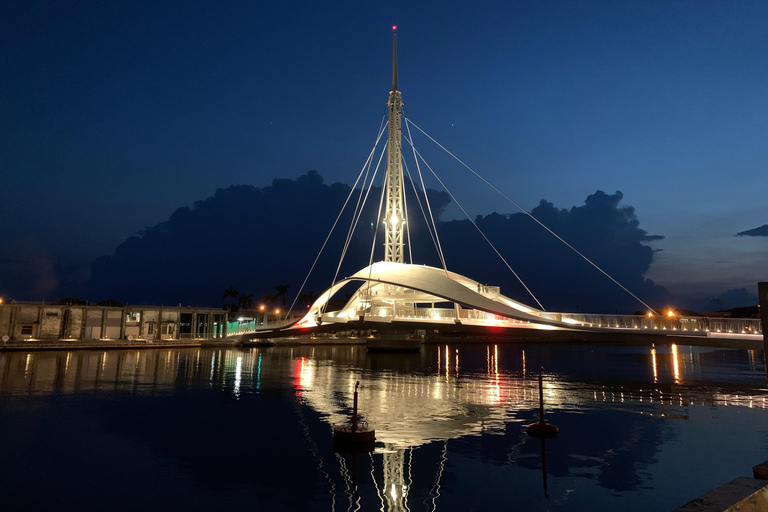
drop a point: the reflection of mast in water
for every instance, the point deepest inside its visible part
(350, 479)
(435, 491)
(393, 492)
(544, 466)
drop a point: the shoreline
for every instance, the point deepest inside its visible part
(725, 342)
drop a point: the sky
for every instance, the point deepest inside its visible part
(115, 114)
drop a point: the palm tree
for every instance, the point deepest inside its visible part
(245, 301)
(232, 293)
(306, 298)
(282, 290)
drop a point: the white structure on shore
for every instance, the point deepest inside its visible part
(398, 295)
(393, 288)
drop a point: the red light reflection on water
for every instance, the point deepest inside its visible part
(302, 375)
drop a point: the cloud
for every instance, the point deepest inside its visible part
(255, 238)
(761, 231)
(736, 298)
(606, 233)
(251, 237)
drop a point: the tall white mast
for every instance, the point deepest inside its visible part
(394, 216)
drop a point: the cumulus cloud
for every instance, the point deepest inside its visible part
(255, 238)
(602, 230)
(761, 231)
(735, 298)
(251, 237)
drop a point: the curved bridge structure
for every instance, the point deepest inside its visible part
(404, 297)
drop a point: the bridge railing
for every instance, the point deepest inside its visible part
(676, 323)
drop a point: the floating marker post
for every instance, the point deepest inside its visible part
(354, 438)
(542, 429)
(354, 409)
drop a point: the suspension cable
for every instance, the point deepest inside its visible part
(532, 217)
(366, 165)
(421, 208)
(407, 225)
(353, 226)
(426, 198)
(479, 230)
(373, 243)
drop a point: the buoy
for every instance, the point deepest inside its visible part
(355, 434)
(542, 429)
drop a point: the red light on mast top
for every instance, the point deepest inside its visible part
(394, 27)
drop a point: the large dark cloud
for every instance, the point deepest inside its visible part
(255, 238)
(606, 233)
(761, 231)
(735, 298)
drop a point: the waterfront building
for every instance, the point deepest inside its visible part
(30, 321)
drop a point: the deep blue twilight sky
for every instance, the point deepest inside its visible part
(114, 114)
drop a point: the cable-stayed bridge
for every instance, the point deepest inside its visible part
(401, 298)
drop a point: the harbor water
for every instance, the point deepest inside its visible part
(642, 428)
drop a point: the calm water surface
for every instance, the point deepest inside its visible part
(201, 429)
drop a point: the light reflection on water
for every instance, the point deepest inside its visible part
(449, 420)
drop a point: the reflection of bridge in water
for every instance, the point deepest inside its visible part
(438, 383)
(395, 295)
(421, 402)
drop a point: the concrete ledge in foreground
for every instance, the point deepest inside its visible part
(738, 495)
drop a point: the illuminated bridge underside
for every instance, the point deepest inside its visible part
(403, 292)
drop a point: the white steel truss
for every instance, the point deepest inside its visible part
(394, 216)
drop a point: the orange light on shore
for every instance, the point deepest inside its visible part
(277, 311)
(650, 315)
(670, 313)
(261, 308)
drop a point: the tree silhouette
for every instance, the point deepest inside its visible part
(72, 301)
(270, 297)
(245, 301)
(282, 290)
(233, 294)
(306, 298)
(110, 303)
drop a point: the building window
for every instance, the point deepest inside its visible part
(150, 328)
(133, 316)
(26, 330)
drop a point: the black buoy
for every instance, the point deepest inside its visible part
(354, 435)
(542, 429)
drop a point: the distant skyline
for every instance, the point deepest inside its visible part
(115, 115)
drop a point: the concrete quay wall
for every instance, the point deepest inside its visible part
(739, 495)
